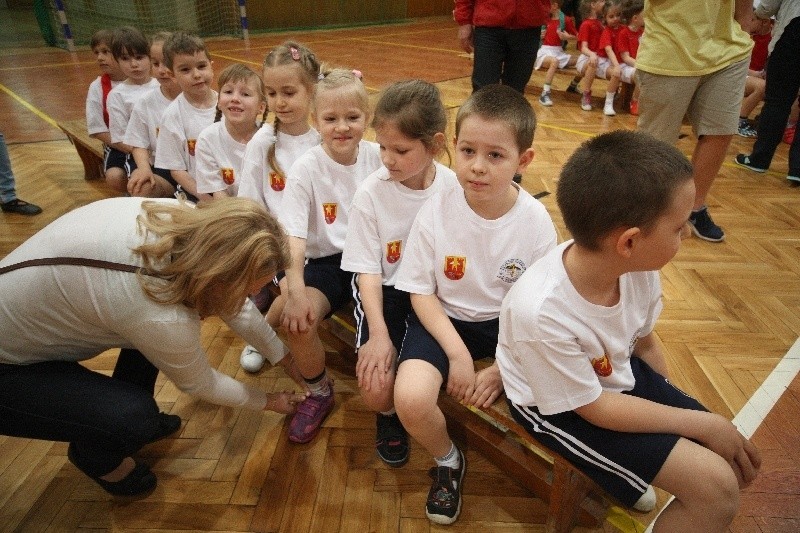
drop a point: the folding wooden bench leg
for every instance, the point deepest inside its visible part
(570, 487)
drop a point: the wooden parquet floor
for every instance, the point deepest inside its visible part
(731, 314)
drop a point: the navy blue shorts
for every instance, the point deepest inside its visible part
(114, 158)
(167, 175)
(479, 337)
(326, 275)
(624, 464)
(396, 307)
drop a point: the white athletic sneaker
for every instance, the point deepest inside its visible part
(608, 109)
(251, 360)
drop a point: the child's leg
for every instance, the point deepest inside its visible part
(753, 94)
(416, 397)
(306, 346)
(551, 64)
(588, 79)
(612, 74)
(705, 488)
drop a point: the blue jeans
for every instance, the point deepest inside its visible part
(105, 419)
(504, 56)
(7, 192)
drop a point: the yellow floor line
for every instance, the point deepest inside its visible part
(48, 65)
(36, 111)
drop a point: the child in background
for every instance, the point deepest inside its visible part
(755, 86)
(628, 45)
(96, 108)
(191, 111)
(290, 74)
(464, 252)
(582, 368)
(612, 15)
(551, 54)
(220, 147)
(589, 64)
(315, 213)
(409, 123)
(142, 132)
(132, 51)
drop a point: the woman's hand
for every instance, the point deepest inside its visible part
(284, 402)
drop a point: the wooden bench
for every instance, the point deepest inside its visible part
(573, 499)
(89, 149)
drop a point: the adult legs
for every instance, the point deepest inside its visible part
(521, 47)
(490, 50)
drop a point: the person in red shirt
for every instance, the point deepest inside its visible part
(551, 54)
(504, 34)
(589, 43)
(612, 15)
(628, 45)
(756, 84)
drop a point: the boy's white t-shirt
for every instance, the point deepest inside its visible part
(380, 221)
(469, 262)
(181, 124)
(95, 123)
(219, 160)
(556, 350)
(145, 121)
(319, 192)
(258, 180)
(120, 104)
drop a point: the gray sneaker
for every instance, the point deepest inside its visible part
(545, 99)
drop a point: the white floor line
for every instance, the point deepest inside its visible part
(761, 403)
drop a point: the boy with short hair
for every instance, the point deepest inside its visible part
(582, 368)
(96, 108)
(132, 52)
(191, 111)
(462, 256)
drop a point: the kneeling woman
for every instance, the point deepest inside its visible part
(155, 269)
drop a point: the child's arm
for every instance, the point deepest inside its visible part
(648, 349)
(627, 59)
(377, 355)
(588, 51)
(297, 312)
(461, 380)
(142, 178)
(488, 386)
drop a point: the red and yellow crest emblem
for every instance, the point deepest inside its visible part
(276, 182)
(602, 366)
(190, 144)
(227, 175)
(393, 251)
(329, 210)
(454, 267)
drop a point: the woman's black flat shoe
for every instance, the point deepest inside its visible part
(139, 482)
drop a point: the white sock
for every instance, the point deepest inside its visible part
(610, 98)
(546, 88)
(390, 412)
(451, 460)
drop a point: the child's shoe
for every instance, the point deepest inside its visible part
(573, 87)
(608, 109)
(634, 108)
(545, 99)
(745, 129)
(308, 419)
(703, 227)
(794, 180)
(788, 133)
(250, 359)
(444, 498)
(391, 441)
(586, 101)
(744, 161)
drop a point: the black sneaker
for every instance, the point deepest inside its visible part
(573, 88)
(391, 441)
(444, 498)
(744, 161)
(20, 207)
(703, 227)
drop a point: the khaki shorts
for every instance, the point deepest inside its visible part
(711, 102)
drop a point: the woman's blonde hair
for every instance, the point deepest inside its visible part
(208, 257)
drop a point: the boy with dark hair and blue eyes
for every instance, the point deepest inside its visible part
(581, 366)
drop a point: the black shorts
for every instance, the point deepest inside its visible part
(167, 175)
(396, 307)
(624, 464)
(479, 337)
(326, 275)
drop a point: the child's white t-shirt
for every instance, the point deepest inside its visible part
(380, 221)
(145, 121)
(181, 124)
(318, 195)
(95, 123)
(556, 350)
(258, 180)
(120, 104)
(219, 160)
(469, 262)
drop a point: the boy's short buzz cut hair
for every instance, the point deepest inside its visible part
(129, 40)
(501, 102)
(182, 43)
(618, 179)
(101, 37)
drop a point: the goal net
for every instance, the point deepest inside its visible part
(202, 17)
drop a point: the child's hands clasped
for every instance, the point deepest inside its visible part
(722, 437)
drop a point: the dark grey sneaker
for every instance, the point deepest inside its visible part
(704, 228)
(444, 498)
(744, 161)
(20, 207)
(391, 440)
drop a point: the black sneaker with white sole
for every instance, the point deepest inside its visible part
(444, 498)
(391, 440)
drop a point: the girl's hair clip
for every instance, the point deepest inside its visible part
(357, 74)
(295, 53)
(320, 76)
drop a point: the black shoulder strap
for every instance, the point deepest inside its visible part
(77, 261)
